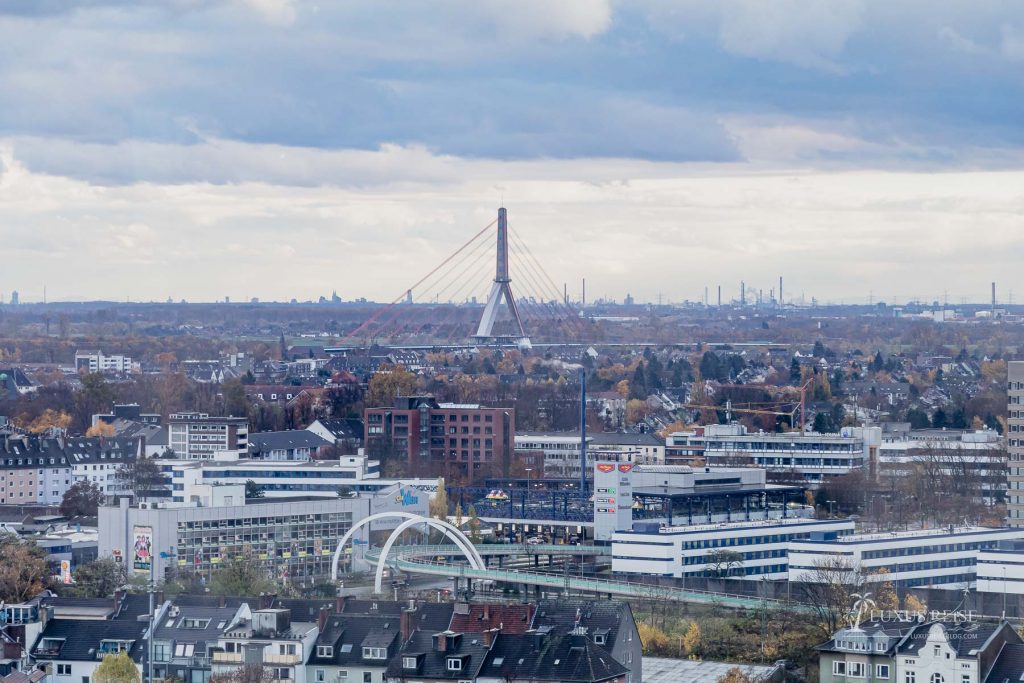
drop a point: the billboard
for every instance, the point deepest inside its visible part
(65, 571)
(142, 552)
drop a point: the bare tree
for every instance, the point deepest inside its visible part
(829, 589)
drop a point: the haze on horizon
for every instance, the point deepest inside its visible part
(287, 148)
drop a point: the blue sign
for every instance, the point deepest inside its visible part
(406, 497)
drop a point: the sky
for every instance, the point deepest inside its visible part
(197, 149)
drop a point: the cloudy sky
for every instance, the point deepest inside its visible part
(284, 148)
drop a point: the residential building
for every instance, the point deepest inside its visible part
(1015, 443)
(269, 637)
(915, 650)
(14, 383)
(294, 445)
(95, 361)
(928, 557)
(32, 471)
(198, 436)
(465, 441)
(345, 433)
(749, 550)
(787, 456)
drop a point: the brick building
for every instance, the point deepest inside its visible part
(459, 440)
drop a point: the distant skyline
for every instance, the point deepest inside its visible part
(283, 148)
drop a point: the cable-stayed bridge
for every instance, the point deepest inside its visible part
(491, 290)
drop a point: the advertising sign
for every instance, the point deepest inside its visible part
(142, 554)
(65, 571)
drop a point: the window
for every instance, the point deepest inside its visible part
(881, 671)
(855, 669)
(194, 623)
(937, 678)
(909, 677)
(367, 677)
(324, 651)
(375, 653)
(599, 639)
(408, 662)
(965, 678)
(184, 649)
(286, 648)
(63, 669)
(320, 676)
(454, 664)
(839, 668)
(282, 674)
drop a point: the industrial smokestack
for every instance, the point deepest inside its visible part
(719, 296)
(743, 293)
(780, 291)
(583, 304)
(993, 299)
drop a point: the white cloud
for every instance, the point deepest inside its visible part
(1012, 45)
(835, 234)
(544, 18)
(276, 12)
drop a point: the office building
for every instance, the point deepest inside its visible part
(787, 456)
(561, 450)
(929, 557)
(747, 550)
(290, 537)
(459, 440)
(198, 436)
(1015, 444)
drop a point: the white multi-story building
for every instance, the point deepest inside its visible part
(281, 479)
(929, 557)
(270, 637)
(975, 458)
(96, 361)
(561, 451)
(1015, 443)
(750, 550)
(1001, 570)
(811, 457)
(198, 436)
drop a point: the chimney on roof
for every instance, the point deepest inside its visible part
(141, 449)
(487, 611)
(222, 601)
(321, 617)
(490, 635)
(405, 627)
(266, 600)
(339, 604)
(119, 599)
(441, 642)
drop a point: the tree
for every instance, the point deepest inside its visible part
(939, 418)
(141, 477)
(828, 589)
(724, 562)
(101, 428)
(49, 419)
(82, 499)
(794, 370)
(23, 570)
(653, 640)
(239, 576)
(96, 396)
(345, 492)
(474, 524)
(885, 593)
(736, 675)
(99, 578)
(117, 668)
(917, 418)
(388, 382)
(252, 489)
(692, 640)
(439, 503)
(912, 603)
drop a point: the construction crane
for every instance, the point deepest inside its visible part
(729, 410)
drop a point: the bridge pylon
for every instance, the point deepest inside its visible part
(501, 293)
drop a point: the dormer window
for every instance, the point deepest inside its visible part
(194, 623)
(375, 653)
(324, 650)
(409, 662)
(455, 664)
